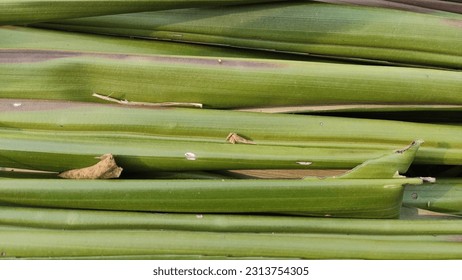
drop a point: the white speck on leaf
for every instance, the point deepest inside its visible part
(190, 156)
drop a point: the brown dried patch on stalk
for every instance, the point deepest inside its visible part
(106, 168)
(35, 56)
(433, 4)
(235, 138)
(382, 4)
(31, 56)
(401, 151)
(453, 22)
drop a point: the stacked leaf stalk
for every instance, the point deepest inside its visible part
(422, 6)
(72, 219)
(57, 152)
(447, 6)
(352, 32)
(188, 80)
(54, 123)
(30, 243)
(27, 39)
(372, 190)
(320, 142)
(220, 82)
(27, 11)
(444, 196)
(358, 198)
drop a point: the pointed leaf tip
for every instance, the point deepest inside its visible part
(386, 166)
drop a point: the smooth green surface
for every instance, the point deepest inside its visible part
(378, 198)
(42, 243)
(218, 82)
(444, 196)
(442, 143)
(302, 27)
(26, 39)
(143, 257)
(28, 11)
(71, 219)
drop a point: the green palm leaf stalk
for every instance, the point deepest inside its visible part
(359, 198)
(345, 31)
(360, 193)
(448, 6)
(344, 196)
(425, 6)
(445, 196)
(28, 11)
(123, 243)
(147, 257)
(73, 219)
(220, 82)
(27, 39)
(58, 152)
(442, 142)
